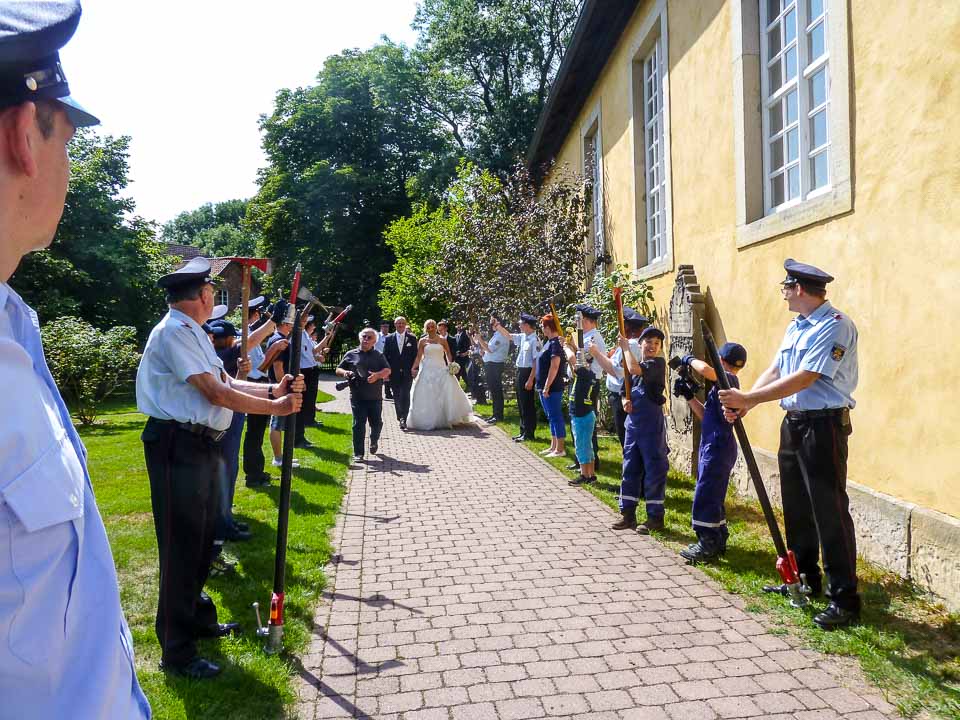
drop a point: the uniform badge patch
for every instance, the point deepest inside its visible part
(838, 352)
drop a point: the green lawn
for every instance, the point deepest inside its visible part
(908, 645)
(253, 684)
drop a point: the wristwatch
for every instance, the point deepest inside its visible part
(270, 394)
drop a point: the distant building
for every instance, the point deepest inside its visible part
(229, 274)
(720, 137)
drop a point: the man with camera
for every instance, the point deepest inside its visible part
(364, 370)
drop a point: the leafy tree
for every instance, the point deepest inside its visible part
(637, 294)
(104, 261)
(89, 364)
(217, 230)
(416, 243)
(511, 247)
(488, 66)
(341, 156)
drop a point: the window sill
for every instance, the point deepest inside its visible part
(654, 269)
(837, 201)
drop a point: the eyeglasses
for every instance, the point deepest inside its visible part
(785, 289)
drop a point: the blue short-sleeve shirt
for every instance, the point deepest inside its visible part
(824, 342)
(498, 346)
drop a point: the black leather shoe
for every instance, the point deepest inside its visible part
(815, 590)
(197, 669)
(517, 438)
(573, 466)
(582, 480)
(649, 524)
(235, 534)
(697, 553)
(256, 482)
(373, 448)
(492, 421)
(403, 424)
(242, 526)
(303, 444)
(835, 617)
(220, 630)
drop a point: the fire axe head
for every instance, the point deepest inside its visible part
(311, 299)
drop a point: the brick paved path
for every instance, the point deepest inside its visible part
(473, 583)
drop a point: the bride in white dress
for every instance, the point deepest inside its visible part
(436, 400)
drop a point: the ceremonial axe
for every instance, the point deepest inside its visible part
(262, 264)
(311, 299)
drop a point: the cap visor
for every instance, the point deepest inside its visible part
(79, 117)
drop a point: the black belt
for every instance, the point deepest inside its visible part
(814, 414)
(196, 429)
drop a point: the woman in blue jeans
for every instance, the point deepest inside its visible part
(550, 386)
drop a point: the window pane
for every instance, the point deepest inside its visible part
(776, 154)
(816, 10)
(793, 180)
(793, 145)
(818, 129)
(775, 80)
(773, 41)
(819, 170)
(773, 9)
(776, 118)
(790, 63)
(790, 27)
(776, 190)
(818, 88)
(792, 107)
(817, 41)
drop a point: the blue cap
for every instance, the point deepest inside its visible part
(196, 270)
(798, 272)
(632, 317)
(528, 319)
(588, 311)
(652, 332)
(256, 303)
(31, 34)
(207, 329)
(734, 353)
(223, 329)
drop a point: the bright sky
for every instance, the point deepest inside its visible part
(188, 81)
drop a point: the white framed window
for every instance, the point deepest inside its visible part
(650, 101)
(592, 144)
(795, 86)
(792, 115)
(223, 297)
(653, 152)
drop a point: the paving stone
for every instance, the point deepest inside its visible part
(511, 612)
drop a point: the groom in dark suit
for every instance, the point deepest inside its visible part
(400, 349)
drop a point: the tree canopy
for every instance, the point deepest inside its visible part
(217, 229)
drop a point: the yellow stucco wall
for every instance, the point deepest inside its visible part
(896, 257)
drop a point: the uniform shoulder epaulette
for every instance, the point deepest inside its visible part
(837, 316)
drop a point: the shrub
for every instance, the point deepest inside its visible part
(89, 364)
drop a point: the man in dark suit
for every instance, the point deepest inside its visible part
(461, 352)
(400, 349)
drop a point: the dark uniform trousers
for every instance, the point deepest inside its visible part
(367, 412)
(619, 415)
(253, 460)
(816, 509)
(308, 411)
(494, 374)
(183, 469)
(527, 404)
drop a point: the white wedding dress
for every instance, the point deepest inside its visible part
(436, 399)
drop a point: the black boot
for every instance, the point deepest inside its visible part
(835, 616)
(627, 521)
(698, 552)
(650, 524)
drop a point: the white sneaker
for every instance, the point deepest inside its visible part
(278, 462)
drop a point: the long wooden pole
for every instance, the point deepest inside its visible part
(244, 312)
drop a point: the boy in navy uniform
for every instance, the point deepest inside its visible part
(645, 462)
(718, 454)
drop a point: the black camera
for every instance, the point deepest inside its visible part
(685, 385)
(351, 382)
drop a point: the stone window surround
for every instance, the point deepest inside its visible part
(653, 29)
(753, 225)
(592, 127)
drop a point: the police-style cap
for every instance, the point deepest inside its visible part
(218, 312)
(207, 329)
(798, 272)
(588, 311)
(632, 317)
(224, 329)
(196, 271)
(528, 319)
(256, 303)
(652, 332)
(734, 353)
(31, 34)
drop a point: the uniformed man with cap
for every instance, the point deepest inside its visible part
(190, 400)
(253, 459)
(634, 323)
(65, 649)
(528, 349)
(813, 376)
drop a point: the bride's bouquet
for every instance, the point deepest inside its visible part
(453, 368)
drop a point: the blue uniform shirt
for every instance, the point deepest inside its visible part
(255, 354)
(65, 649)
(825, 343)
(498, 346)
(590, 338)
(615, 380)
(529, 348)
